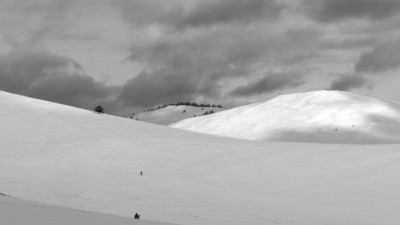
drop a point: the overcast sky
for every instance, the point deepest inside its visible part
(132, 54)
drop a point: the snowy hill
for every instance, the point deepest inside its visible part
(173, 113)
(317, 116)
(14, 211)
(65, 156)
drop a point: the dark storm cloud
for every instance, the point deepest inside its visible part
(185, 47)
(155, 88)
(336, 10)
(19, 69)
(273, 82)
(182, 68)
(384, 57)
(74, 89)
(43, 75)
(348, 82)
(217, 52)
(185, 14)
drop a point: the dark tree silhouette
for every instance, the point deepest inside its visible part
(99, 109)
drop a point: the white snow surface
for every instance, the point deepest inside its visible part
(14, 211)
(172, 114)
(74, 158)
(316, 116)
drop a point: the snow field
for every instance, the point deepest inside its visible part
(314, 117)
(75, 158)
(15, 211)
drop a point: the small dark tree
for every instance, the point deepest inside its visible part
(99, 109)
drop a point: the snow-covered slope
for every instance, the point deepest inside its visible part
(172, 114)
(317, 116)
(14, 211)
(65, 156)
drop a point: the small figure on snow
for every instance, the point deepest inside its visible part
(141, 173)
(137, 216)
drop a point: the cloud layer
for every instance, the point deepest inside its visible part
(348, 82)
(41, 74)
(181, 15)
(270, 83)
(130, 54)
(338, 10)
(384, 57)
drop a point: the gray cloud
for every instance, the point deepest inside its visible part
(159, 87)
(33, 22)
(186, 67)
(191, 14)
(73, 89)
(270, 83)
(382, 58)
(185, 47)
(188, 49)
(215, 52)
(223, 11)
(144, 12)
(349, 43)
(348, 82)
(183, 69)
(19, 69)
(336, 10)
(43, 75)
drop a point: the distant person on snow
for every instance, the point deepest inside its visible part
(141, 173)
(137, 216)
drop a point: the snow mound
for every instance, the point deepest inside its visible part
(173, 113)
(316, 116)
(14, 211)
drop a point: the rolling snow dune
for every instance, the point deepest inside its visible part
(316, 117)
(74, 158)
(172, 114)
(15, 211)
